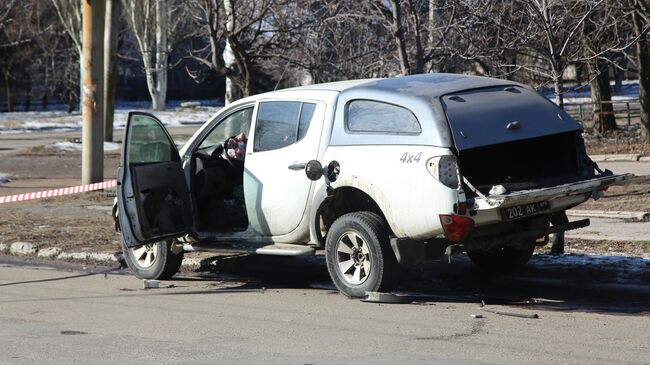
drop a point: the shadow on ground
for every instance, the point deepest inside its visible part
(586, 283)
(572, 283)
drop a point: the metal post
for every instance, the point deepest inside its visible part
(92, 111)
(582, 116)
(110, 65)
(629, 120)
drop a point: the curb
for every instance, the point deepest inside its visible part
(26, 249)
(607, 214)
(619, 157)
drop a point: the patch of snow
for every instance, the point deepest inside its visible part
(82, 256)
(191, 262)
(22, 248)
(60, 121)
(49, 252)
(77, 147)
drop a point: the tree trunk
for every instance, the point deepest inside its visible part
(601, 92)
(44, 101)
(558, 83)
(418, 68)
(398, 34)
(162, 24)
(81, 77)
(232, 91)
(643, 60)
(28, 94)
(433, 21)
(10, 100)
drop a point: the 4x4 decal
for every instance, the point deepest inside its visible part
(408, 158)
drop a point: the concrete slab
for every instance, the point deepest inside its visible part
(612, 229)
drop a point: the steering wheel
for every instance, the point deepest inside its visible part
(222, 150)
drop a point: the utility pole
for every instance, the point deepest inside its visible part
(110, 65)
(92, 110)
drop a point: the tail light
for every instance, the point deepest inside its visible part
(456, 227)
(444, 169)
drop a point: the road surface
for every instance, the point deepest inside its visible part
(54, 316)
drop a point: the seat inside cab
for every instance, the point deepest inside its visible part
(217, 175)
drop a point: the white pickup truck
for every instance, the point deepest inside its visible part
(414, 167)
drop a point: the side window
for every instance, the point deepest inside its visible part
(367, 116)
(148, 142)
(281, 123)
(306, 114)
(232, 125)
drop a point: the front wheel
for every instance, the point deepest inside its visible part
(358, 254)
(503, 259)
(153, 261)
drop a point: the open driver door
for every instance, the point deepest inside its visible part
(152, 193)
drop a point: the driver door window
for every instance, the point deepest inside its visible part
(232, 125)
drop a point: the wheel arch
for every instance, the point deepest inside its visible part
(342, 200)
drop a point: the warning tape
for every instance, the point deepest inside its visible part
(58, 192)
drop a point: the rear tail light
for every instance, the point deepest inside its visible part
(445, 170)
(456, 227)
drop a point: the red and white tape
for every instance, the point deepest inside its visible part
(58, 192)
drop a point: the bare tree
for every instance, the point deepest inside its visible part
(641, 19)
(20, 26)
(602, 33)
(156, 28)
(235, 35)
(69, 13)
(331, 41)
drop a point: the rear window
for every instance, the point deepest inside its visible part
(368, 116)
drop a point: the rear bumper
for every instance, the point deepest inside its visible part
(560, 197)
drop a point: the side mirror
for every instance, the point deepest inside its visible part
(314, 170)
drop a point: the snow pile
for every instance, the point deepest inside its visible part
(4, 179)
(77, 147)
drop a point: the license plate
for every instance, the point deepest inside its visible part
(524, 210)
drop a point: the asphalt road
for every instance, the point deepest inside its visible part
(68, 316)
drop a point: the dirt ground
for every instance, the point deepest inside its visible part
(622, 142)
(82, 222)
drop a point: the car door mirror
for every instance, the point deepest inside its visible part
(314, 170)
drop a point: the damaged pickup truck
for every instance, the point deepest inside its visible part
(414, 167)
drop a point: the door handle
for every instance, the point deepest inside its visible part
(297, 166)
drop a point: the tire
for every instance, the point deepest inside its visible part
(358, 254)
(153, 261)
(502, 259)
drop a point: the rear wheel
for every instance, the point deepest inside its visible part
(153, 261)
(503, 259)
(358, 254)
